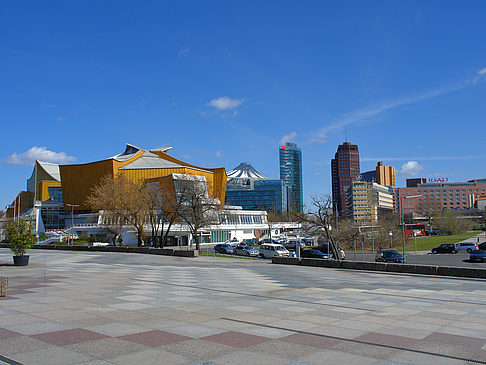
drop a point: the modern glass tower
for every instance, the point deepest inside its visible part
(291, 173)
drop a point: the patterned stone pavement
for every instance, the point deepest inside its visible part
(117, 308)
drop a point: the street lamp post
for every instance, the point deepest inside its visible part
(391, 239)
(403, 220)
(72, 219)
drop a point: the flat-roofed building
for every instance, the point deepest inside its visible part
(450, 195)
(366, 201)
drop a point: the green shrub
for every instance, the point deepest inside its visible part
(20, 235)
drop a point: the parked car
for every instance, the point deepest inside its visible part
(324, 247)
(268, 250)
(482, 246)
(477, 255)
(268, 240)
(292, 245)
(251, 241)
(314, 253)
(389, 256)
(233, 242)
(244, 250)
(466, 247)
(445, 248)
(224, 248)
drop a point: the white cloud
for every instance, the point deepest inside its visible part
(411, 168)
(61, 118)
(482, 71)
(287, 138)
(225, 103)
(319, 137)
(47, 105)
(41, 154)
(184, 52)
(219, 153)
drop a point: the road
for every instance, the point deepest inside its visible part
(459, 259)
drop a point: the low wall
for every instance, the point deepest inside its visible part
(144, 250)
(464, 272)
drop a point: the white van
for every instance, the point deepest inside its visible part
(268, 250)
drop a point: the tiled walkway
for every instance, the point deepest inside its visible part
(115, 308)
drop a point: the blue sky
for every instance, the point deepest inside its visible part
(227, 82)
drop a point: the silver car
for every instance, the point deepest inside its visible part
(466, 247)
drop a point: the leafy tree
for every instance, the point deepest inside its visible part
(20, 235)
(450, 222)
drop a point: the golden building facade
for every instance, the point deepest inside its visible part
(78, 180)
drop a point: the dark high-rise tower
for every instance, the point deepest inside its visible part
(291, 173)
(344, 170)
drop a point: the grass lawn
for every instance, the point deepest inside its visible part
(428, 242)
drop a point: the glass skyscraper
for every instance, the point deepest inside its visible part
(291, 173)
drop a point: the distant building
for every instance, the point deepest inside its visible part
(369, 176)
(383, 175)
(250, 189)
(291, 173)
(344, 170)
(366, 202)
(450, 195)
(412, 183)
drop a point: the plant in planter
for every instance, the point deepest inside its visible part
(20, 235)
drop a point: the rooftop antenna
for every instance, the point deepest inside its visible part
(345, 135)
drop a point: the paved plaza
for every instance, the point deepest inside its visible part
(118, 308)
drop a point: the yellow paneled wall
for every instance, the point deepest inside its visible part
(79, 180)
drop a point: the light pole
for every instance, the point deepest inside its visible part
(403, 221)
(391, 239)
(72, 218)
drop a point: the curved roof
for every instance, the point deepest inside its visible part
(149, 160)
(245, 171)
(51, 168)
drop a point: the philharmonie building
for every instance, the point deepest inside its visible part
(56, 198)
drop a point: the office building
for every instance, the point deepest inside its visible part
(450, 195)
(250, 189)
(366, 202)
(383, 175)
(344, 170)
(291, 174)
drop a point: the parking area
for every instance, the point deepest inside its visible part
(122, 308)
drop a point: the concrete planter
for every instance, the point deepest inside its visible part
(3, 287)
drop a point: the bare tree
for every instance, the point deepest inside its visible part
(197, 209)
(154, 199)
(172, 205)
(318, 221)
(429, 208)
(124, 202)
